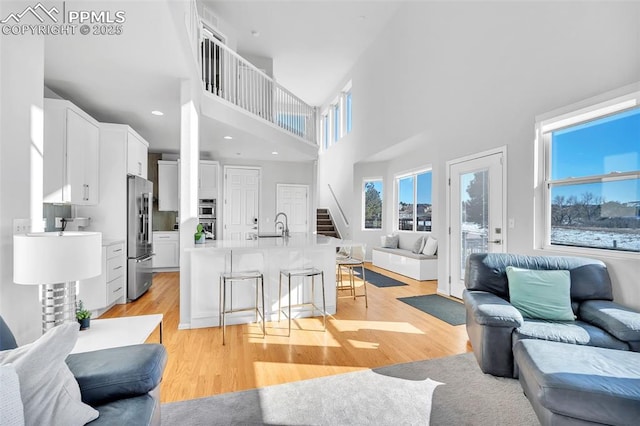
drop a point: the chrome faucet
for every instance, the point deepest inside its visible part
(285, 227)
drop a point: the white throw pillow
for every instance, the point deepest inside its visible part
(49, 391)
(11, 409)
(430, 247)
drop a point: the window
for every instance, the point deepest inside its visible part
(414, 201)
(592, 185)
(347, 111)
(325, 131)
(336, 122)
(372, 204)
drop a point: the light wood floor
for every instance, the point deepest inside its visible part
(388, 332)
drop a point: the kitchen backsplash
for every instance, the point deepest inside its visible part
(51, 211)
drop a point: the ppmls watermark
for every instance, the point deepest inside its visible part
(60, 20)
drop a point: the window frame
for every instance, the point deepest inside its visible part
(396, 179)
(610, 103)
(364, 197)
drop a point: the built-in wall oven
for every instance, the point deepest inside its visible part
(207, 217)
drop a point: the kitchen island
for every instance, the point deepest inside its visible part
(270, 255)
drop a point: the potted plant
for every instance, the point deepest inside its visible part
(83, 316)
(199, 235)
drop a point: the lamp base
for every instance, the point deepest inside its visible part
(58, 304)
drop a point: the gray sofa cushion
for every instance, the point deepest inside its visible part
(487, 272)
(575, 332)
(405, 253)
(116, 373)
(489, 309)
(621, 322)
(580, 382)
(140, 410)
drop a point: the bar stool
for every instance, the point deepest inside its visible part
(232, 277)
(303, 273)
(354, 259)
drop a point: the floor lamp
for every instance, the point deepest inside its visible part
(55, 261)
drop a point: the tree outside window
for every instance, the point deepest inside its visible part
(373, 204)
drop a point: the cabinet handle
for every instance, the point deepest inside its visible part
(117, 267)
(160, 236)
(117, 290)
(117, 250)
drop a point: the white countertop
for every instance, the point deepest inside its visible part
(295, 241)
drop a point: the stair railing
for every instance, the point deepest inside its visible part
(342, 215)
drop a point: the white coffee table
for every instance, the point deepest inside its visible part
(116, 332)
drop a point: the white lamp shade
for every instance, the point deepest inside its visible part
(49, 258)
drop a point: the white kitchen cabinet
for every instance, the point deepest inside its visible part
(208, 180)
(168, 185)
(166, 246)
(137, 153)
(71, 154)
(102, 292)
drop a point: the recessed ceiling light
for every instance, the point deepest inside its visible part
(228, 137)
(255, 33)
(156, 112)
(237, 153)
(274, 152)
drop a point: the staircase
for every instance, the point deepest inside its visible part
(324, 224)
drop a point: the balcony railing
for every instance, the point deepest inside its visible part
(231, 77)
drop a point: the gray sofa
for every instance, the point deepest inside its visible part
(495, 326)
(123, 383)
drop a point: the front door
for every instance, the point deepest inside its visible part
(476, 212)
(241, 201)
(293, 200)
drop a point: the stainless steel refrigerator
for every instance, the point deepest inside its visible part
(139, 242)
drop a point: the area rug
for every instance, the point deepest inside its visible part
(444, 391)
(380, 280)
(440, 307)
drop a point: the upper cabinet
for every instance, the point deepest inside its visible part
(137, 150)
(208, 180)
(71, 147)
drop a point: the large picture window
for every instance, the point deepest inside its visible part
(593, 179)
(372, 204)
(414, 201)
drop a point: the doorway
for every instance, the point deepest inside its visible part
(241, 202)
(293, 200)
(477, 190)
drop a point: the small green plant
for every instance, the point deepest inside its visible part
(198, 236)
(81, 312)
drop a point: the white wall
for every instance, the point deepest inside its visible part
(273, 173)
(21, 127)
(469, 77)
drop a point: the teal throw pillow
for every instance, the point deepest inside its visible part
(541, 294)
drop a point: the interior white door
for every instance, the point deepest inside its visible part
(293, 200)
(241, 202)
(476, 212)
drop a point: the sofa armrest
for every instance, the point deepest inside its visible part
(622, 322)
(491, 310)
(110, 374)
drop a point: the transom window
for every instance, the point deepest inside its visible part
(592, 183)
(336, 121)
(414, 201)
